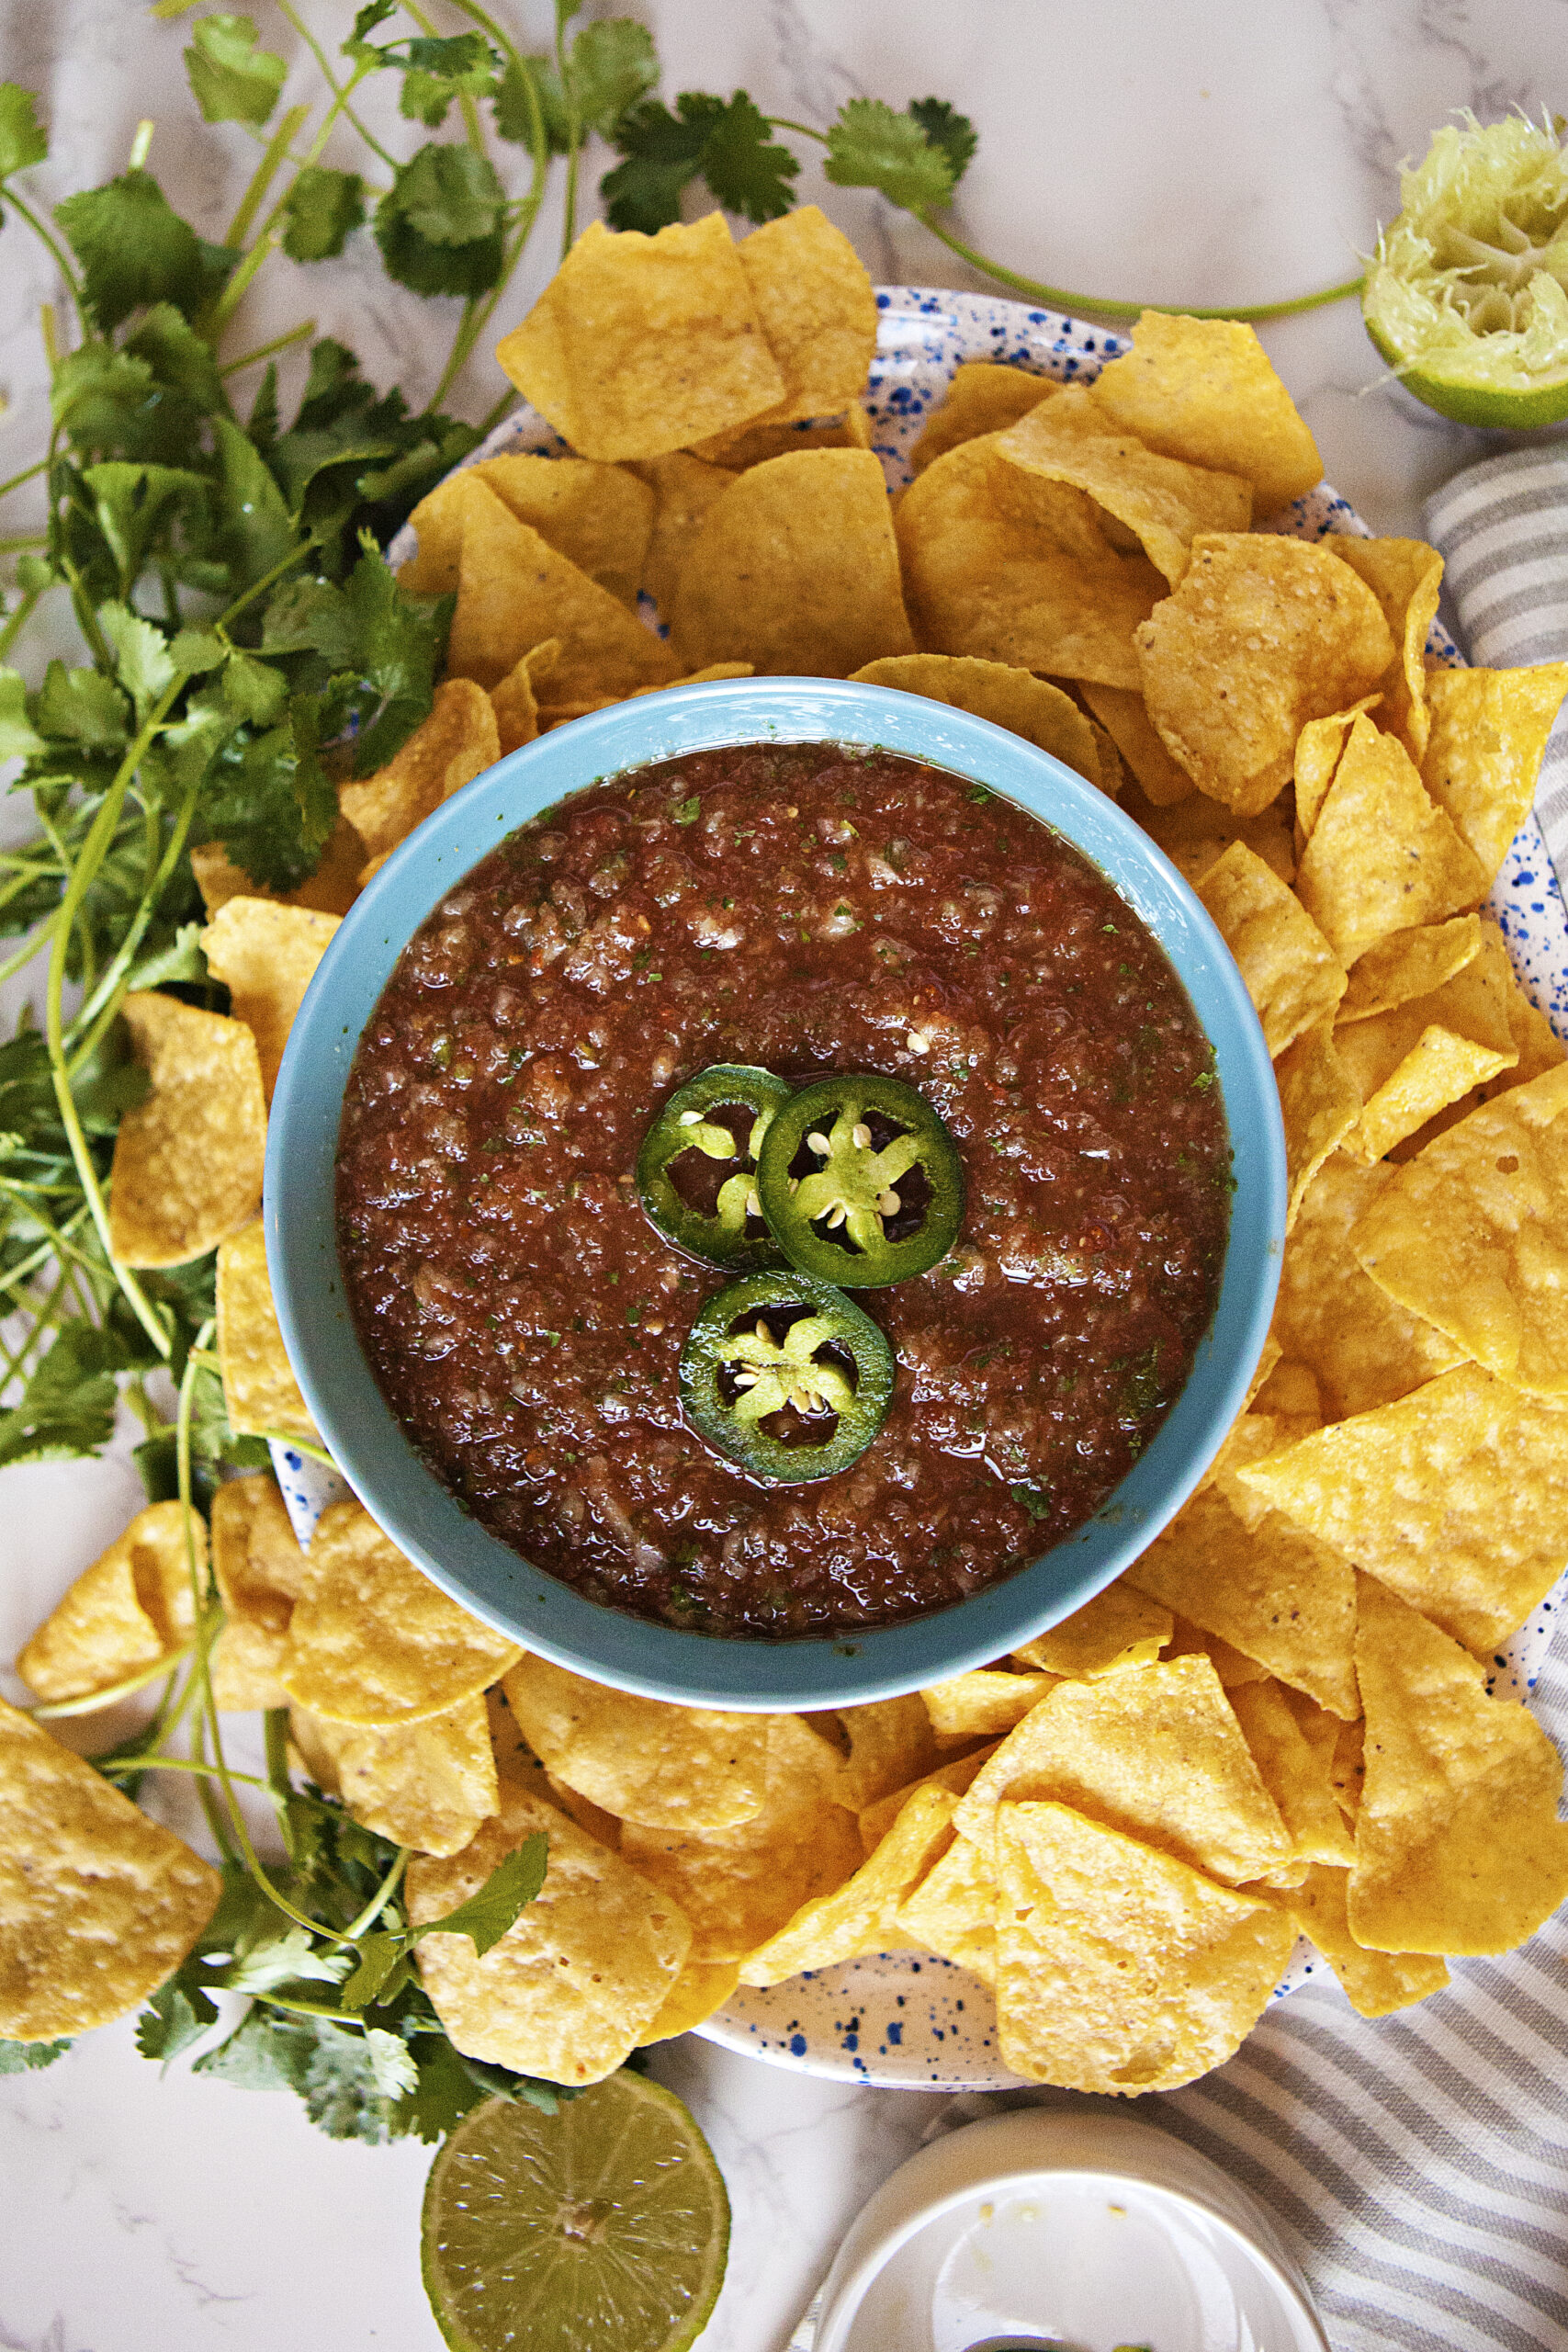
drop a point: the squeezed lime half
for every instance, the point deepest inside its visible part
(1467, 298)
(603, 2228)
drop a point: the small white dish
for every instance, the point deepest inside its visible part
(1070, 2227)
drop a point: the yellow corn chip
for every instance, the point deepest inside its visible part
(1441, 1068)
(599, 517)
(574, 1984)
(1409, 964)
(1272, 1592)
(1364, 1349)
(1250, 1436)
(1118, 1969)
(514, 591)
(427, 1785)
(1124, 719)
(1457, 1497)
(1015, 699)
(1375, 1982)
(984, 396)
(1406, 577)
(584, 1811)
(260, 1392)
(1232, 1667)
(1350, 1770)
(260, 1572)
(1458, 1844)
(978, 1707)
(1292, 1391)
(795, 570)
(1473, 1006)
(953, 1910)
(739, 1886)
(133, 1607)
(1162, 501)
(1202, 389)
(1383, 857)
(1196, 832)
(1320, 747)
(641, 344)
(1319, 1101)
(1489, 730)
(98, 1904)
(331, 890)
(446, 751)
(818, 307)
(753, 445)
(891, 1744)
(1156, 1753)
(1534, 1042)
(684, 489)
(834, 1927)
(1119, 1627)
(1467, 1235)
(266, 956)
(668, 1768)
(187, 1159)
(958, 1774)
(1292, 975)
(515, 701)
(1262, 636)
(372, 1641)
(1296, 1774)
(702, 1986)
(1008, 567)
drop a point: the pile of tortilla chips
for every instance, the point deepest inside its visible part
(1277, 1721)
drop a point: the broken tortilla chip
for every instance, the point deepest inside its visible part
(1119, 1628)
(133, 1607)
(1375, 1982)
(1292, 975)
(1121, 713)
(1015, 699)
(446, 751)
(188, 1159)
(1319, 1101)
(834, 1927)
(1407, 577)
(666, 1766)
(1203, 389)
(984, 396)
(1381, 856)
(267, 957)
(982, 1705)
(260, 1571)
(260, 1392)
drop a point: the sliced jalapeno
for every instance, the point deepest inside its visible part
(712, 1217)
(786, 1376)
(861, 1182)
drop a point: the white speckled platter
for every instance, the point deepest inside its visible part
(908, 2019)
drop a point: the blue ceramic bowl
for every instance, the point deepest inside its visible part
(370, 1447)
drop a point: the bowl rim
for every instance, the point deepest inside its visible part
(478, 1571)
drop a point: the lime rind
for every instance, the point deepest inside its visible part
(1467, 298)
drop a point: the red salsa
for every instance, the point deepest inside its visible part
(807, 909)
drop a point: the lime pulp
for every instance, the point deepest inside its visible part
(603, 2228)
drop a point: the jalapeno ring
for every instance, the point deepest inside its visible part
(861, 1182)
(779, 1344)
(733, 1232)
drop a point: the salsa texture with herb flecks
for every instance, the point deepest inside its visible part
(809, 909)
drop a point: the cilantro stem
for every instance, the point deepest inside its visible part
(91, 1700)
(564, 8)
(23, 613)
(29, 540)
(301, 333)
(29, 473)
(379, 1900)
(274, 156)
(233, 294)
(296, 1444)
(62, 262)
(133, 1763)
(103, 1002)
(476, 316)
(340, 96)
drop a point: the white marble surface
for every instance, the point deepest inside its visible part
(1198, 152)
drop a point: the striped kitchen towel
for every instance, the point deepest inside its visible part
(1502, 528)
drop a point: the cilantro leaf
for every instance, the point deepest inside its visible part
(379, 1955)
(134, 249)
(380, 646)
(342, 2084)
(179, 358)
(444, 2091)
(129, 504)
(612, 64)
(439, 224)
(25, 2057)
(232, 79)
(870, 146)
(487, 1916)
(143, 661)
(945, 127)
(68, 1406)
(438, 70)
(178, 2014)
(256, 529)
(18, 739)
(23, 139)
(270, 802)
(514, 115)
(663, 154)
(78, 706)
(320, 208)
(748, 172)
(266, 2053)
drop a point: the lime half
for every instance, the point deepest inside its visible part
(603, 2228)
(1467, 298)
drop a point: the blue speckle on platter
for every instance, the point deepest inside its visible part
(940, 2033)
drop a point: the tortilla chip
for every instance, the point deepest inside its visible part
(574, 1984)
(428, 1785)
(1015, 699)
(1473, 1234)
(372, 1641)
(1350, 1770)
(834, 1927)
(795, 570)
(1202, 389)
(515, 701)
(1319, 1101)
(1119, 1627)
(953, 1910)
(331, 890)
(1489, 733)
(1123, 714)
(1409, 964)
(584, 1811)
(1292, 1390)
(1440, 1068)
(1006, 567)
(260, 1572)
(1375, 1982)
(260, 1392)
(1292, 975)
(1534, 1042)
(267, 957)
(1196, 832)
(753, 445)
(982, 1705)
(98, 1904)
(447, 750)
(1320, 747)
(959, 1773)
(642, 344)
(668, 1768)
(1407, 577)
(1456, 1497)
(1262, 636)
(514, 592)
(1156, 1753)
(684, 489)
(1273, 1593)
(600, 518)
(983, 396)
(739, 1886)
(1295, 1772)
(891, 1744)
(133, 1607)
(188, 1159)
(702, 1986)
(818, 307)
(1381, 857)
(1458, 1844)
(1120, 1970)
(1163, 502)
(1364, 1349)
